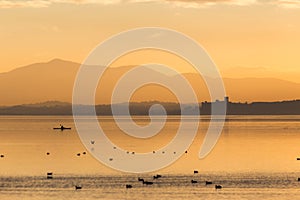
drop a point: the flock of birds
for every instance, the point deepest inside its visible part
(128, 186)
(144, 182)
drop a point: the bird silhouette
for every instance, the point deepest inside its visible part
(218, 187)
(140, 179)
(147, 182)
(157, 176)
(78, 187)
(193, 181)
(208, 182)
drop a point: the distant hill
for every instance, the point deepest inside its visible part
(142, 108)
(61, 108)
(48, 104)
(53, 81)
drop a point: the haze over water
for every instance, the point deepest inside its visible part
(255, 158)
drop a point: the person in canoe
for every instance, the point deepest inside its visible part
(62, 127)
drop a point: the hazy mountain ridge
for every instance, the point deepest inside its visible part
(42, 82)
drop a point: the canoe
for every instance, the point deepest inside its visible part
(63, 128)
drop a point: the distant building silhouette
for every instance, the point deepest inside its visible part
(206, 107)
(256, 108)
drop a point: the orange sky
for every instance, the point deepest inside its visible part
(246, 38)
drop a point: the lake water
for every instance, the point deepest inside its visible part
(255, 158)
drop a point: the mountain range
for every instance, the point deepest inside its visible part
(53, 81)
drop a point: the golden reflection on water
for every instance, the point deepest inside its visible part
(247, 144)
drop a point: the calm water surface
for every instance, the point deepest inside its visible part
(255, 158)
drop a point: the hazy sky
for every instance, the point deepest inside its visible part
(256, 38)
